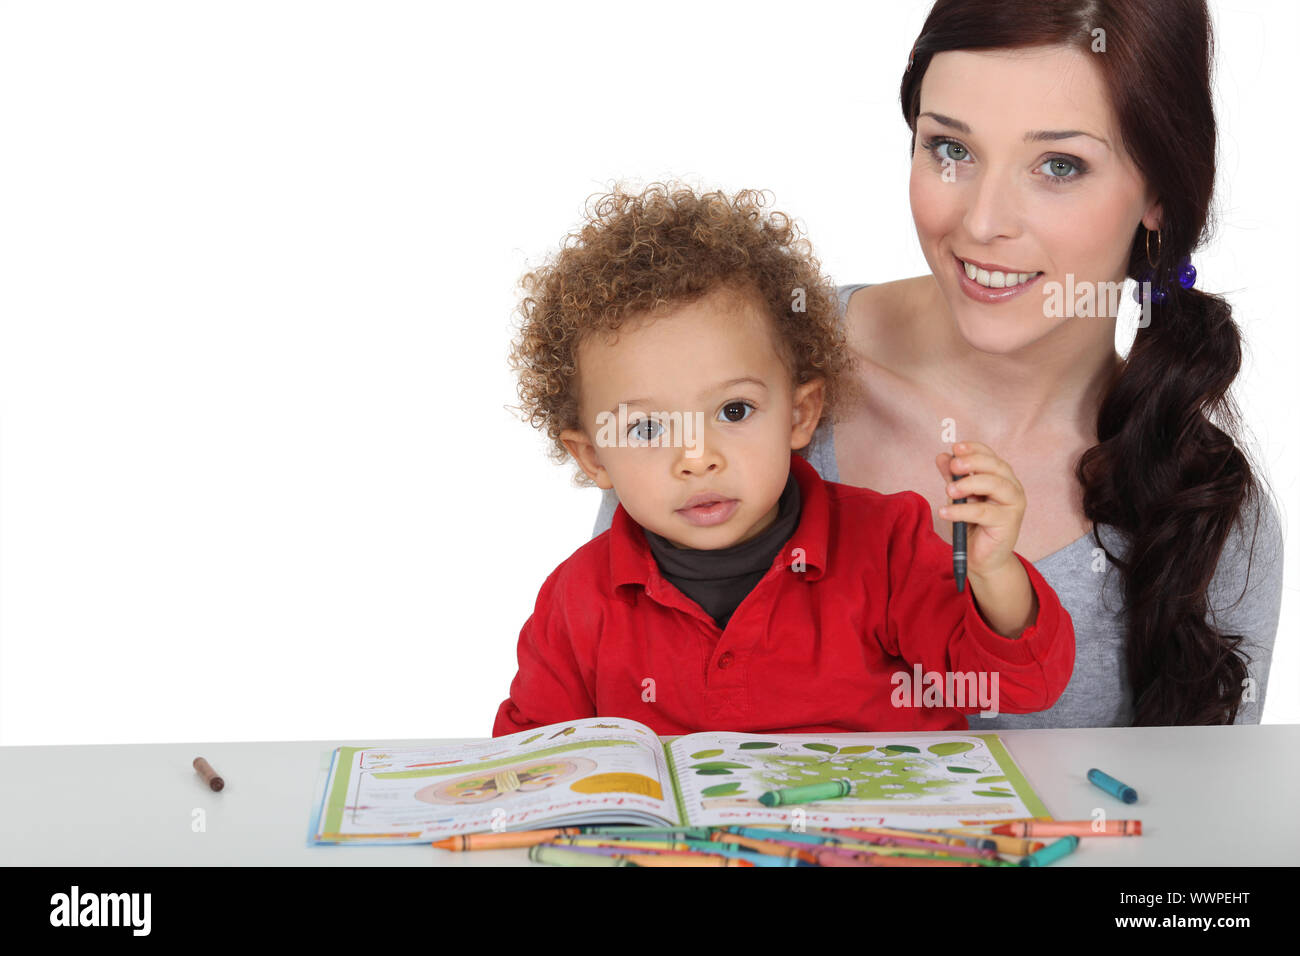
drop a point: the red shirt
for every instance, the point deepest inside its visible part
(862, 591)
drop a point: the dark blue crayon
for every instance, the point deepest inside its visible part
(959, 547)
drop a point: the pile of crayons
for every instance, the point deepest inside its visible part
(984, 845)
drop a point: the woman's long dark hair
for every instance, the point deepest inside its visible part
(1162, 472)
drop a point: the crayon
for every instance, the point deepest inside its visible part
(938, 853)
(1076, 827)
(595, 839)
(688, 859)
(768, 848)
(959, 546)
(739, 852)
(698, 833)
(807, 794)
(843, 858)
(936, 848)
(881, 839)
(923, 835)
(975, 839)
(990, 823)
(557, 856)
(499, 841)
(848, 846)
(1015, 845)
(208, 774)
(1052, 852)
(674, 857)
(1112, 786)
(735, 849)
(788, 836)
(624, 852)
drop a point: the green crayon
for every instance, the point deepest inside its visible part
(698, 833)
(806, 794)
(558, 856)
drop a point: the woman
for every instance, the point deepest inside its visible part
(1066, 146)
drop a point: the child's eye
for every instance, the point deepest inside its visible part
(647, 429)
(735, 411)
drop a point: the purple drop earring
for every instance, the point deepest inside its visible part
(1186, 273)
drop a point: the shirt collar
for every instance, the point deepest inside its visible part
(632, 562)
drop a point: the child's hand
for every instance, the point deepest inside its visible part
(994, 508)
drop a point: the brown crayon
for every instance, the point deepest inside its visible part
(208, 774)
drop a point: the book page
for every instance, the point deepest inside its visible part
(912, 781)
(515, 782)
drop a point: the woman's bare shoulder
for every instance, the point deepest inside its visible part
(880, 317)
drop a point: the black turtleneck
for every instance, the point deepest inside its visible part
(719, 580)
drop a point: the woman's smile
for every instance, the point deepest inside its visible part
(992, 286)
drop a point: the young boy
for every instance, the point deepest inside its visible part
(682, 351)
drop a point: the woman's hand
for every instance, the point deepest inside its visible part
(994, 507)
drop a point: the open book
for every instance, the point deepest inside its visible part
(612, 770)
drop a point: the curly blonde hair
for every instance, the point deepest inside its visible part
(637, 253)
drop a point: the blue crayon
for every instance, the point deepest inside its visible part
(794, 836)
(1052, 852)
(1112, 786)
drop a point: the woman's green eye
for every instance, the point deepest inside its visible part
(1061, 169)
(956, 152)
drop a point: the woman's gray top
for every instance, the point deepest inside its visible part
(1091, 590)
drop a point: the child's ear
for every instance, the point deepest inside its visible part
(584, 453)
(809, 400)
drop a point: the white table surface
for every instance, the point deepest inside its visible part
(1206, 796)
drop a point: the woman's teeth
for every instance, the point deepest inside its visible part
(996, 280)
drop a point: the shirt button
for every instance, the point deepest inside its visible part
(725, 659)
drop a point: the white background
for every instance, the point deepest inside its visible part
(258, 267)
